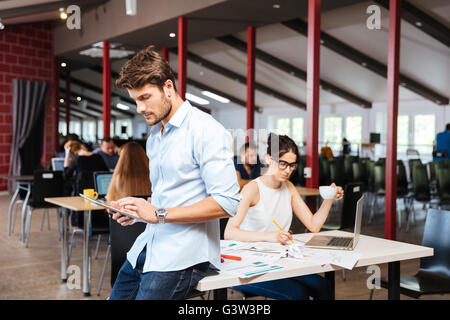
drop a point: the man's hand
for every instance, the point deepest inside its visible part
(140, 207)
(122, 220)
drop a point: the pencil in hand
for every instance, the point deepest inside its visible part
(281, 229)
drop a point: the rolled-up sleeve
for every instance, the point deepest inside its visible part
(217, 170)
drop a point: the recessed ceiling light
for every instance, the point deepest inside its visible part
(62, 14)
(215, 97)
(196, 99)
(418, 23)
(78, 98)
(122, 106)
(276, 6)
(172, 35)
(63, 64)
(2, 26)
(61, 100)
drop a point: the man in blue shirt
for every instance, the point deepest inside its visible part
(193, 185)
(443, 142)
(247, 164)
(108, 151)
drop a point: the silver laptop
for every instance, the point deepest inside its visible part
(340, 243)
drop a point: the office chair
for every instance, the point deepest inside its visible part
(421, 190)
(45, 184)
(434, 273)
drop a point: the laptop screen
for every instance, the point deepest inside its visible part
(58, 164)
(102, 180)
(358, 219)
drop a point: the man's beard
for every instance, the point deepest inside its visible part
(167, 107)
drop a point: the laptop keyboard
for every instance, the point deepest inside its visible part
(339, 242)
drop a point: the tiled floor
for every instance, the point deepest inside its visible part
(34, 272)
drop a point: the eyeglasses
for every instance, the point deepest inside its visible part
(283, 164)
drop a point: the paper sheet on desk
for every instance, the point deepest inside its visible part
(341, 258)
(253, 262)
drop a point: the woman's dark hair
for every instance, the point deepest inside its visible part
(285, 144)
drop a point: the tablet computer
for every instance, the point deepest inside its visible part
(103, 204)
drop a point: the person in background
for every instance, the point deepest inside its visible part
(272, 197)
(346, 147)
(443, 143)
(131, 176)
(108, 151)
(247, 164)
(82, 166)
(326, 151)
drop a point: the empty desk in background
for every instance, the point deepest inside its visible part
(76, 204)
(374, 251)
(307, 192)
(23, 183)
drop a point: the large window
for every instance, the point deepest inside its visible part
(292, 127)
(353, 131)
(402, 133)
(124, 128)
(424, 133)
(332, 133)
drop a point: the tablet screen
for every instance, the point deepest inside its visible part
(103, 204)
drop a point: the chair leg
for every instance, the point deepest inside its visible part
(103, 270)
(371, 294)
(343, 275)
(58, 217)
(15, 214)
(99, 237)
(372, 209)
(48, 219)
(27, 223)
(43, 219)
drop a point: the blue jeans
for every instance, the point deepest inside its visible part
(133, 284)
(296, 288)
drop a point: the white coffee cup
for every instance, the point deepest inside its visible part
(328, 192)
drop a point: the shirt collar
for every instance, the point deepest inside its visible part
(179, 116)
(176, 120)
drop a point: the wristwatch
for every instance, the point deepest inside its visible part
(161, 214)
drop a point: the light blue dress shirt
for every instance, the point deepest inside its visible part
(191, 161)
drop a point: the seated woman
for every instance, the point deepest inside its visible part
(82, 166)
(273, 197)
(131, 176)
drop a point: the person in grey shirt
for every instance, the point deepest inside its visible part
(108, 151)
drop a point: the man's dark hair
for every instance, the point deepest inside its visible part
(107, 139)
(246, 146)
(447, 127)
(146, 67)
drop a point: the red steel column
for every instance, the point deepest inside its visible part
(182, 56)
(165, 53)
(106, 90)
(56, 102)
(392, 114)
(251, 35)
(68, 101)
(312, 92)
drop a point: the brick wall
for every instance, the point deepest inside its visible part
(26, 52)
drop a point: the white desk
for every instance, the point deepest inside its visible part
(76, 204)
(373, 251)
